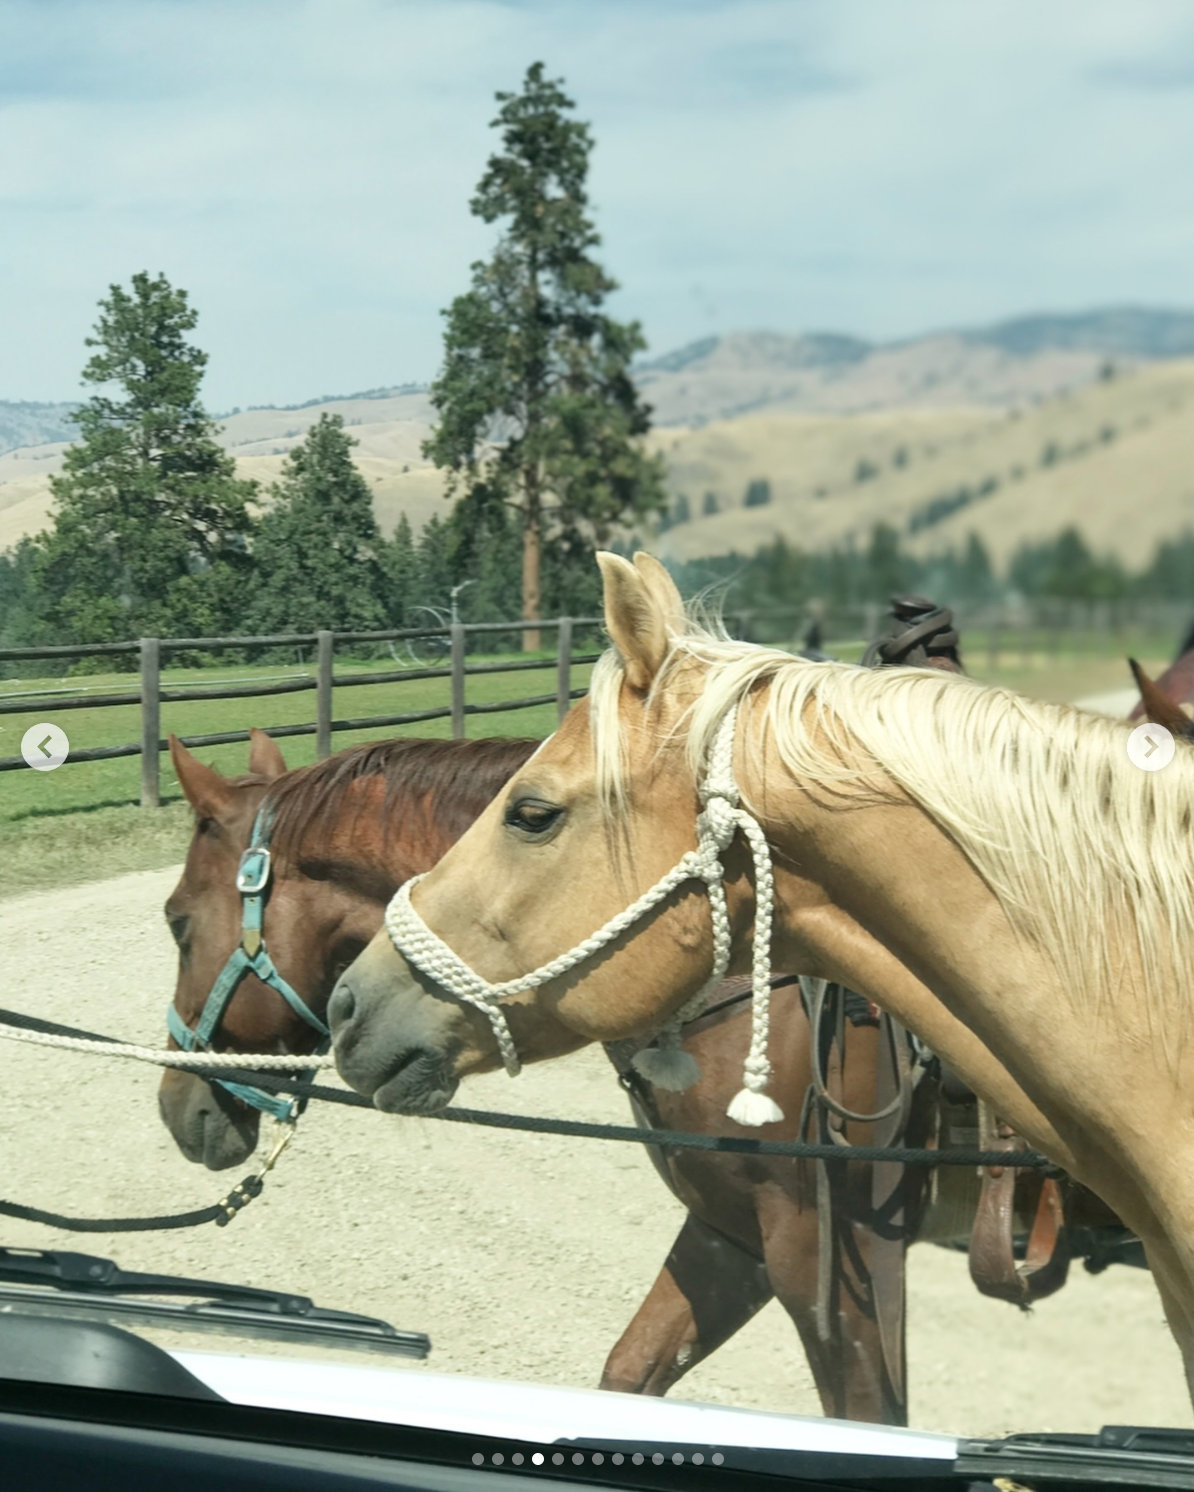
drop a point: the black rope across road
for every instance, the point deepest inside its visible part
(222, 1212)
(670, 1139)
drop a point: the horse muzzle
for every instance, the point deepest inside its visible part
(392, 1044)
(210, 1127)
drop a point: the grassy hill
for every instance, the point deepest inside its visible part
(390, 431)
(1115, 458)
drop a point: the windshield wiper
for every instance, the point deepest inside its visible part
(1126, 1455)
(87, 1287)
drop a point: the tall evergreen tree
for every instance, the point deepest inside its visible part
(400, 563)
(319, 552)
(150, 522)
(22, 619)
(976, 579)
(536, 405)
(436, 572)
(887, 569)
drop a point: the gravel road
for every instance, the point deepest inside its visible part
(522, 1256)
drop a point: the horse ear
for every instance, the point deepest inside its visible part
(661, 585)
(265, 755)
(209, 794)
(1158, 707)
(634, 619)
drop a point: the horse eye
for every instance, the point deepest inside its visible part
(532, 817)
(179, 927)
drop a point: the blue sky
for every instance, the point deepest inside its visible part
(880, 167)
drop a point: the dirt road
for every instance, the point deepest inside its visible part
(522, 1256)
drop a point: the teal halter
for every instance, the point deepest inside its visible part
(250, 957)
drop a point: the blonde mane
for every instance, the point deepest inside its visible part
(1085, 853)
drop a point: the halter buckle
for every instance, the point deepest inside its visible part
(253, 875)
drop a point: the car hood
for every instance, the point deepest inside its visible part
(500, 1409)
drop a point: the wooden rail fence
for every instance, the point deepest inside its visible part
(996, 631)
(150, 693)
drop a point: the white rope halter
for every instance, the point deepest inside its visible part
(720, 818)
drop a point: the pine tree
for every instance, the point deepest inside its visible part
(537, 409)
(977, 579)
(886, 567)
(319, 550)
(400, 563)
(436, 574)
(150, 522)
(758, 493)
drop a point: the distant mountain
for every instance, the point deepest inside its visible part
(1015, 362)
(24, 425)
(1120, 331)
(391, 391)
(33, 424)
(1008, 363)
(757, 350)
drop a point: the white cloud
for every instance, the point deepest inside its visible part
(304, 169)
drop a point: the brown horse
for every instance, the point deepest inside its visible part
(334, 865)
(1174, 686)
(345, 833)
(992, 869)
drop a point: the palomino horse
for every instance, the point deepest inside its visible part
(992, 869)
(343, 834)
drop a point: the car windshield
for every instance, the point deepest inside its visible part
(786, 413)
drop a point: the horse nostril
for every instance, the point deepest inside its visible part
(342, 1006)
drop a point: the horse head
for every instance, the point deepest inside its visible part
(286, 880)
(596, 815)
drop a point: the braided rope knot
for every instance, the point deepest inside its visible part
(666, 1064)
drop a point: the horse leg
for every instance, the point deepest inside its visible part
(842, 1336)
(707, 1289)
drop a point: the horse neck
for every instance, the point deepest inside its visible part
(377, 831)
(877, 897)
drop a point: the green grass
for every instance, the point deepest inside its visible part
(1060, 668)
(42, 852)
(82, 822)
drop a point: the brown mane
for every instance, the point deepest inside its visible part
(455, 779)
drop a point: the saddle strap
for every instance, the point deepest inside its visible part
(845, 1263)
(993, 1266)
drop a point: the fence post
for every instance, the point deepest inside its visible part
(564, 668)
(458, 681)
(151, 723)
(323, 694)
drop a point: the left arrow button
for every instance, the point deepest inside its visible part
(44, 746)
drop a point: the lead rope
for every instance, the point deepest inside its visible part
(721, 817)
